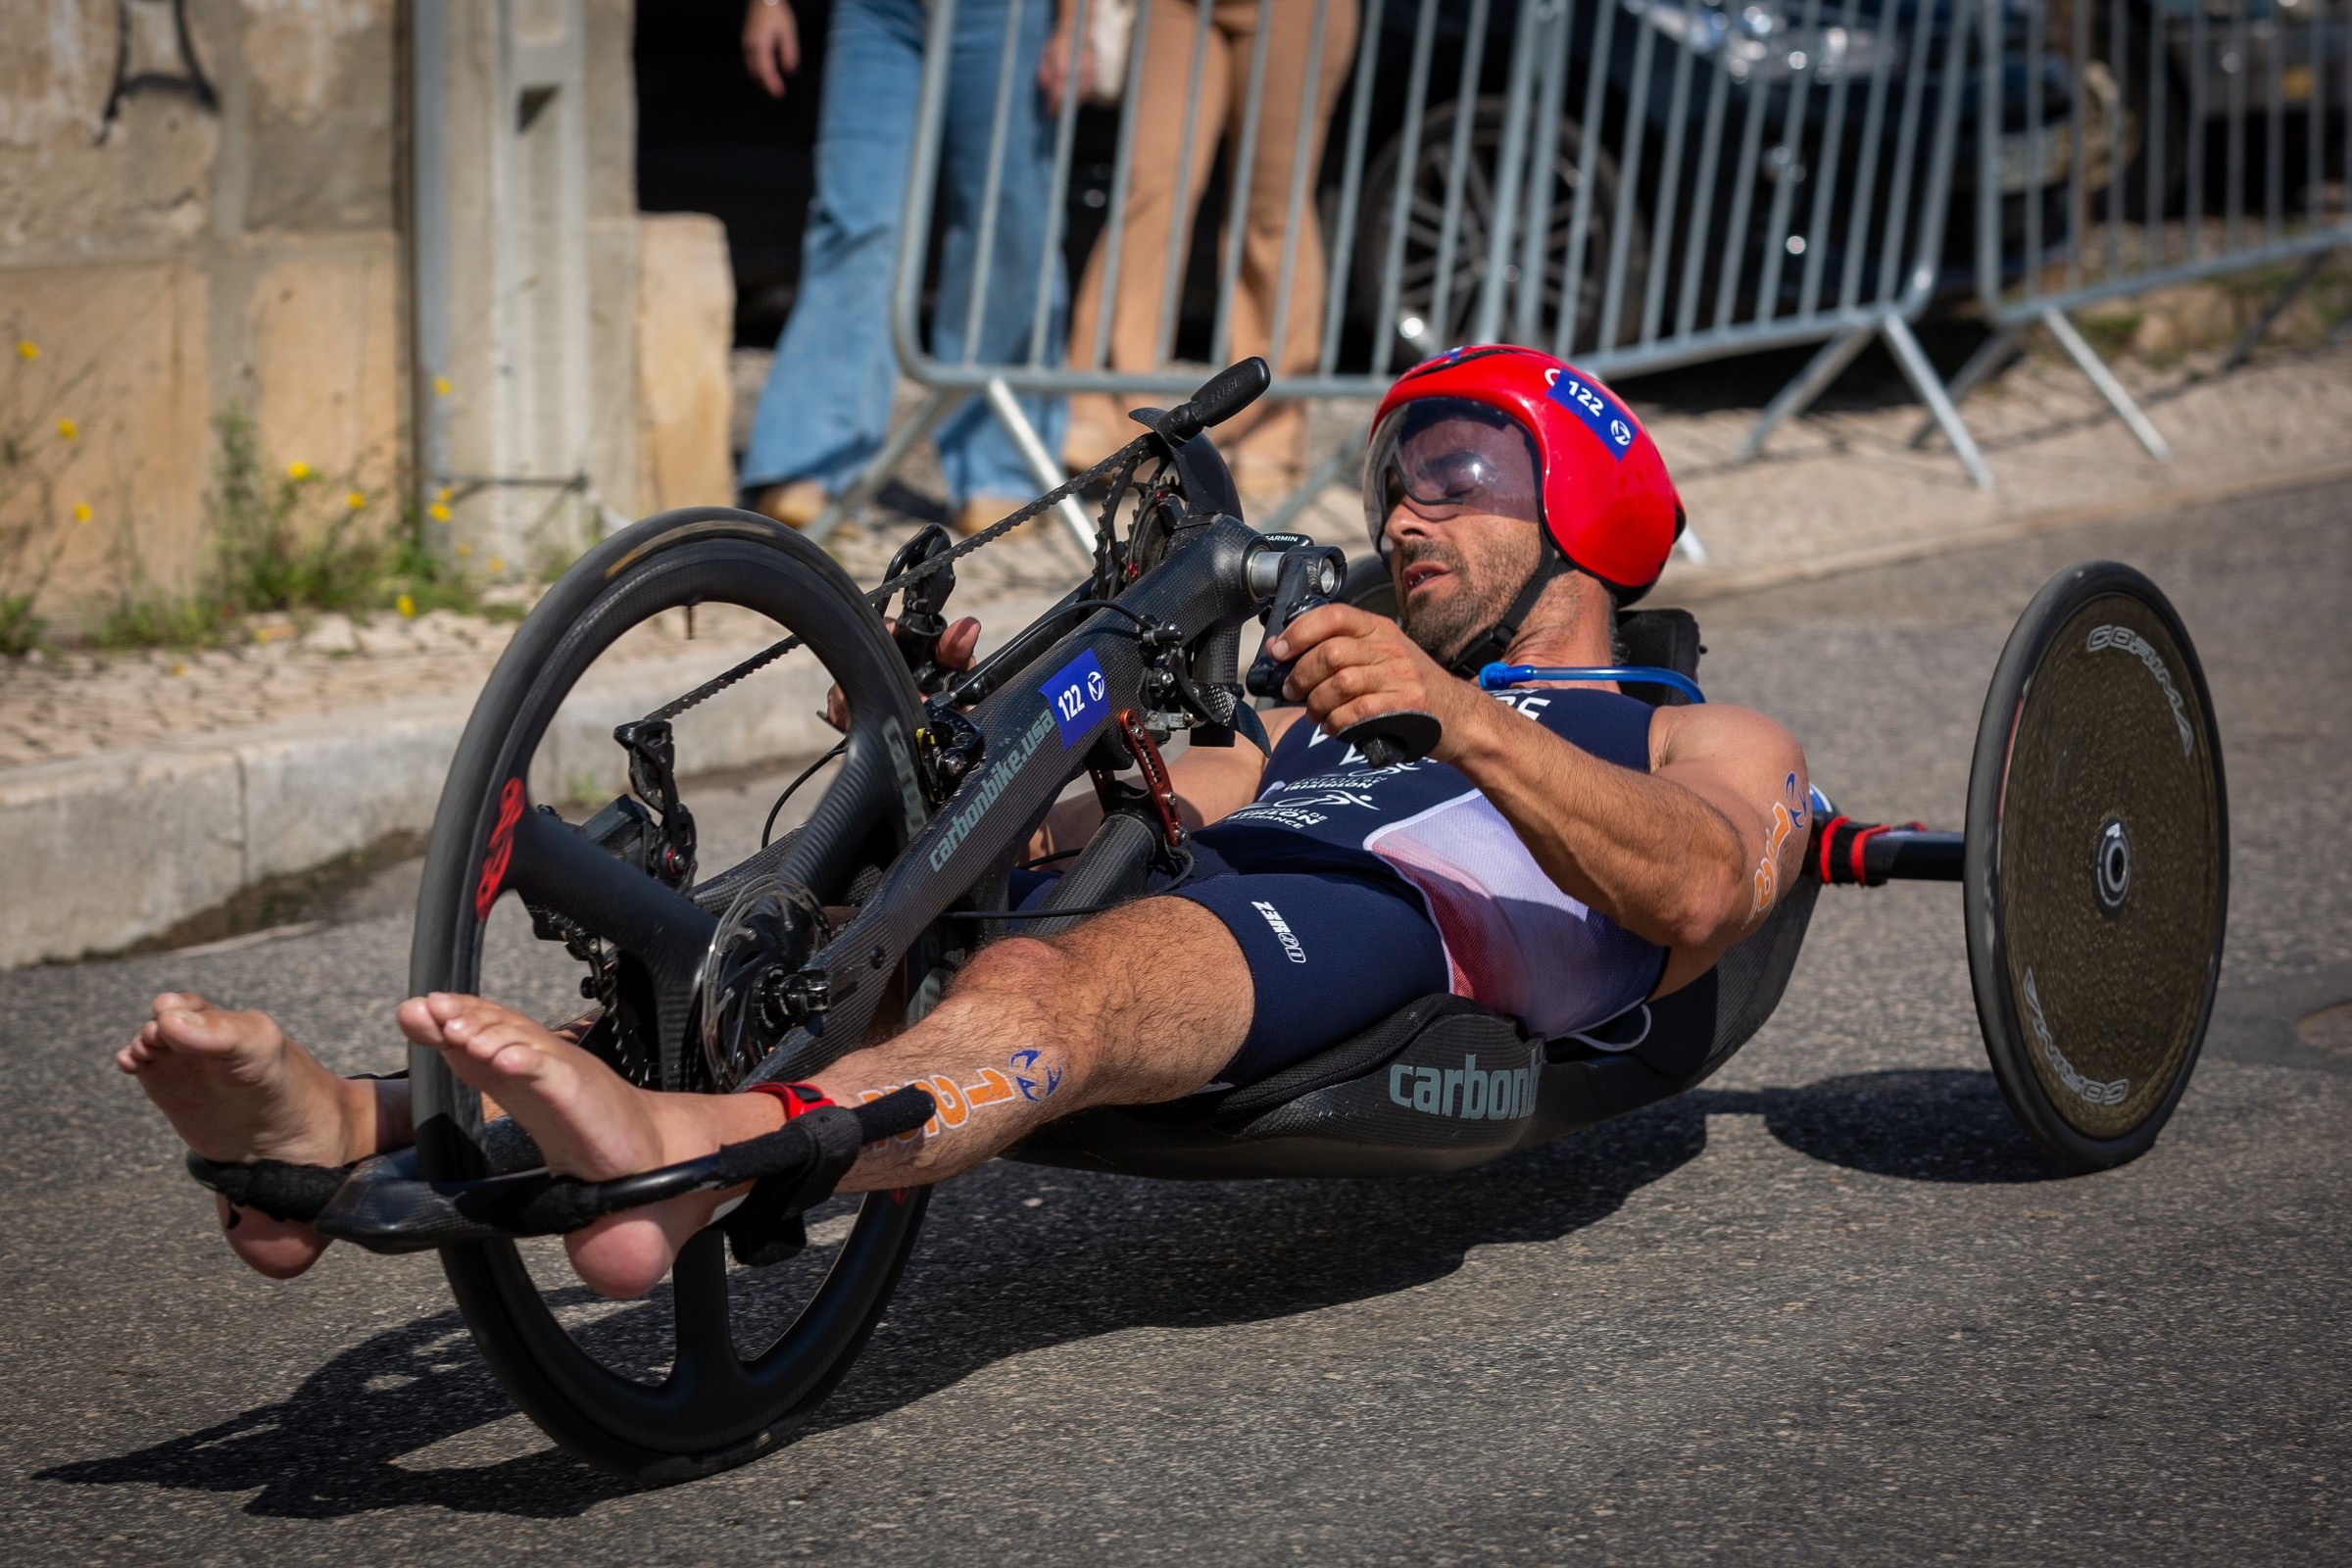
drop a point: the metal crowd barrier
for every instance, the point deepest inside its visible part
(1635, 185)
(2169, 140)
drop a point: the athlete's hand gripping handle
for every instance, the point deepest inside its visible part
(1309, 577)
(1304, 576)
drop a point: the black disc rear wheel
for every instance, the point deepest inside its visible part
(741, 1356)
(2097, 867)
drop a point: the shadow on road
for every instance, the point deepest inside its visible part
(330, 1447)
(996, 1279)
(1928, 1125)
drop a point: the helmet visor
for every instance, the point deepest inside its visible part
(1446, 458)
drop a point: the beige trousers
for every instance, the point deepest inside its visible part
(1269, 449)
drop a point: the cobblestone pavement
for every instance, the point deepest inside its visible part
(1838, 481)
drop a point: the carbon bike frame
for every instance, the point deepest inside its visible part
(1033, 749)
(1030, 750)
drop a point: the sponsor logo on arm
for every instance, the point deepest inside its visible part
(1768, 869)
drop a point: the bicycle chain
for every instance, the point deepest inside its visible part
(1132, 452)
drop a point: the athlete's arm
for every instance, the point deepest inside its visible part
(1690, 856)
(1209, 782)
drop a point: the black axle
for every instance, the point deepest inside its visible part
(1870, 853)
(1914, 855)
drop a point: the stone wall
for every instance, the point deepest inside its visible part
(224, 236)
(222, 222)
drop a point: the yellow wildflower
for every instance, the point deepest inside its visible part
(66, 430)
(406, 605)
(443, 494)
(298, 470)
(497, 565)
(82, 511)
(180, 669)
(355, 500)
(440, 386)
(27, 349)
(464, 551)
(437, 512)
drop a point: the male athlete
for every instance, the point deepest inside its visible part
(1564, 853)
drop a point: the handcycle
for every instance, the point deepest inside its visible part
(2094, 864)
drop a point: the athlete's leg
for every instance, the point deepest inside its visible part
(236, 1089)
(1141, 1005)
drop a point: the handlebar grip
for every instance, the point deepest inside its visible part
(902, 1110)
(1221, 396)
(1402, 735)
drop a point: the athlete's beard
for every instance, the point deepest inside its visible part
(1444, 629)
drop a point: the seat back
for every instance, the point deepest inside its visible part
(1696, 1030)
(1667, 638)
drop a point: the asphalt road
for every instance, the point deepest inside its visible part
(1829, 1306)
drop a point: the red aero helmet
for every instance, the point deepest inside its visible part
(1607, 500)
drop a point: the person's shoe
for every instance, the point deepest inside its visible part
(981, 511)
(794, 505)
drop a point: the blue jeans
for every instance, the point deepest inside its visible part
(826, 404)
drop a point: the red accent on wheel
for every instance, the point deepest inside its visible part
(501, 851)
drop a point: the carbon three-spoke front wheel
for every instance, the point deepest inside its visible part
(535, 894)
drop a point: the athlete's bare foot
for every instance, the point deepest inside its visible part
(592, 1124)
(236, 1089)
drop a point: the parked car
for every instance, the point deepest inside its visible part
(1769, 52)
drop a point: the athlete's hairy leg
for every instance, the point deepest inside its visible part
(236, 1089)
(1141, 1005)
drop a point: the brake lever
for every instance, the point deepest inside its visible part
(1252, 728)
(1308, 579)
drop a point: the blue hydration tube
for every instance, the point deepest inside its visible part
(1496, 677)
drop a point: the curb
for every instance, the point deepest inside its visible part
(104, 851)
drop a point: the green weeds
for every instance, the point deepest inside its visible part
(287, 539)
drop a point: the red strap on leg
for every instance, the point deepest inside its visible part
(798, 1099)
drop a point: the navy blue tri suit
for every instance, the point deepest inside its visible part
(1353, 890)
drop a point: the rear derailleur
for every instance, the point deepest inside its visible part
(652, 830)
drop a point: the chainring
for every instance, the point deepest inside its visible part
(768, 930)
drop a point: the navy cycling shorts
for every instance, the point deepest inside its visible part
(1330, 955)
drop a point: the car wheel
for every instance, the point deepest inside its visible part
(1430, 313)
